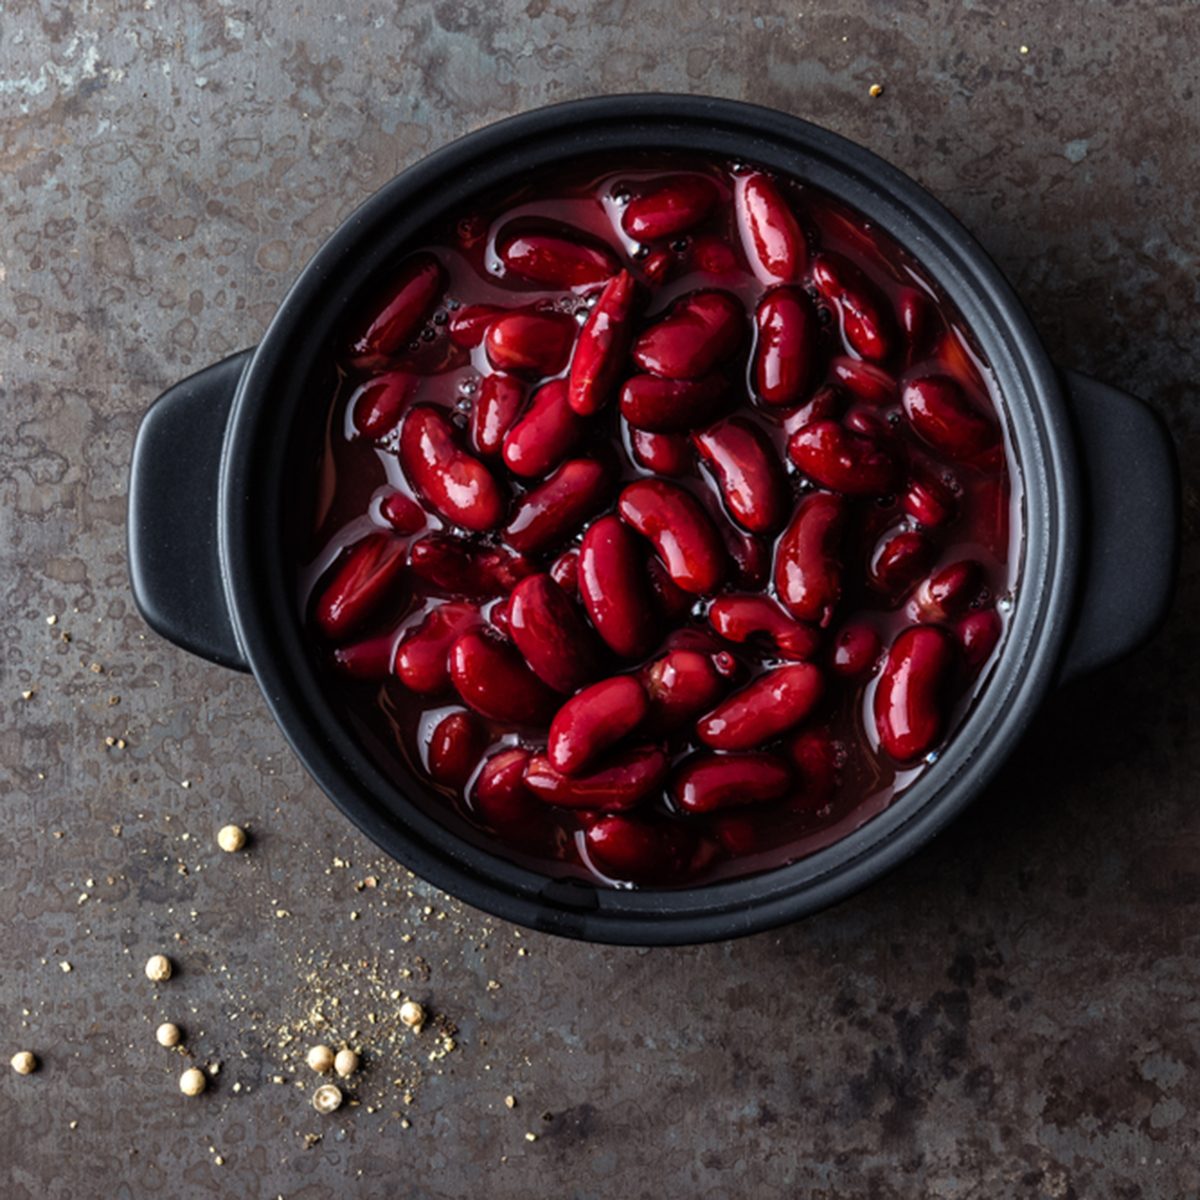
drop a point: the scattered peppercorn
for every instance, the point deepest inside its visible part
(158, 968)
(168, 1034)
(321, 1059)
(231, 838)
(327, 1098)
(346, 1063)
(24, 1062)
(192, 1082)
(412, 1015)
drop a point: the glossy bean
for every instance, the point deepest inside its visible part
(551, 634)
(680, 531)
(773, 703)
(594, 720)
(493, 679)
(603, 343)
(454, 482)
(808, 569)
(911, 703)
(367, 579)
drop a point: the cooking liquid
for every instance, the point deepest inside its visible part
(345, 486)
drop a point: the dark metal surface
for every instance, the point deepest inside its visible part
(1012, 1013)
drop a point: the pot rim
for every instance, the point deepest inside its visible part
(259, 597)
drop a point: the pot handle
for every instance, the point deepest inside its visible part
(1131, 540)
(174, 553)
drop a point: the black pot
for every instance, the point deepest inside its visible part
(208, 487)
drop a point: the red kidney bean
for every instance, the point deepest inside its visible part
(749, 473)
(613, 587)
(771, 236)
(787, 345)
(556, 508)
(547, 432)
(567, 260)
(451, 565)
(708, 782)
(714, 256)
(467, 325)
(422, 657)
(978, 634)
(918, 319)
(701, 639)
(843, 461)
(500, 568)
(378, 405)
(564, 570)
(939, 411)
(750, 556)
(500, 795)
(369, 660)
(841, 227)
(630, 849)
(492, 678)
(681, 685)
(741, 618)
(593, 721)
(410, 299)
(454, 749)
(367, 576)
(866, 381)
(662, 453)
(403, 513)
(602, 346)
(949, 592)
(680, 531)
(930, 501)
(855, 651)
(772, 704)
(627, 779)
(808, 569)
(951, 350)
(656, 267)
(699, 332)
(900, 560)
(815, 760)
(866, 321)
(672, 405)
(738, 835)
(912, 699)
(674, 205)
(869, 424)
(826, 405)
(551, 634)
(498, 404)
(673, 601)
(538, 342)
(456, 483)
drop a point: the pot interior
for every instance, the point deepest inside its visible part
(273, 425)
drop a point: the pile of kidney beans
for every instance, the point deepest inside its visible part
(662, 520)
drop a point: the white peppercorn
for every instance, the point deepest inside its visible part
(158, 968)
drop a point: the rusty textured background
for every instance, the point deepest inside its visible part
(1014, 1013)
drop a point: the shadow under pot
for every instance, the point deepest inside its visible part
(660, 547)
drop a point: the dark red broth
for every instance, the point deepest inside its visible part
(661, 522)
